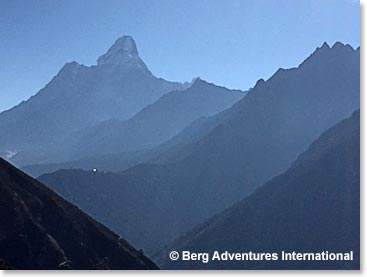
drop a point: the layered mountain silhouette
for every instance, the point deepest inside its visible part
(312, 207)
(157, 122)
(40, 230)
(261, 135)
(218, 160)
(115, 145)
(78, 97)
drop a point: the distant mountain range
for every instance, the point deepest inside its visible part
(79, 97)
(157, 122)
(40, 230)
(312, 207)
(218, 160)
(116, 145)
(114, 107)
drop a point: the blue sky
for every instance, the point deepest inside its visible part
(228, 42)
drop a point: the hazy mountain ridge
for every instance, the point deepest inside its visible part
(312, 207)
(171, 151)
(157, 122)
(116, 145)
(261, 135)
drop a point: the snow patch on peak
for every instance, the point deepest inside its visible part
(10, 154)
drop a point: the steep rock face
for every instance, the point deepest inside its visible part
(79, 97)
(312, 207)
(40, 230)
(124, 51)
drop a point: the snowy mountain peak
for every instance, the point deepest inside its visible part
(126, 44)
(123, 50)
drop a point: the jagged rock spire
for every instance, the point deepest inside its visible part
(123, 50)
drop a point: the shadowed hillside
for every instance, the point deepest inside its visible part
(40, 230)
(312, 207)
